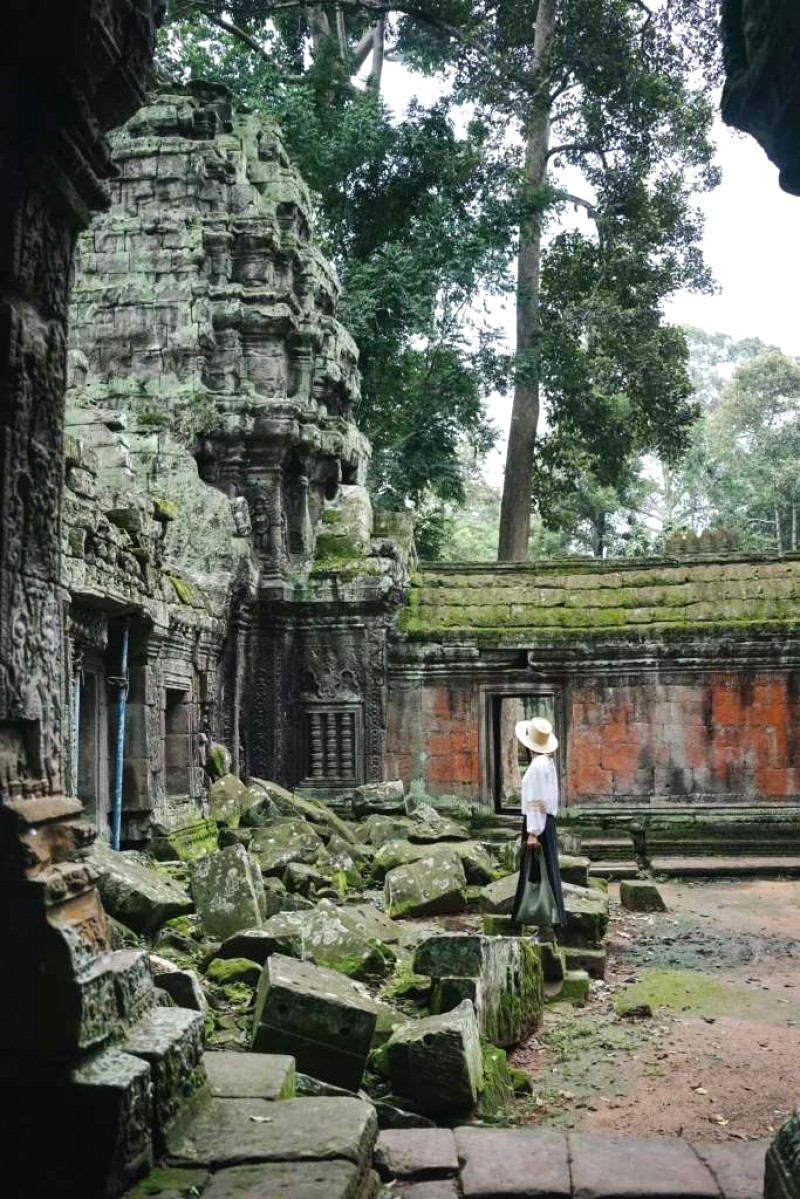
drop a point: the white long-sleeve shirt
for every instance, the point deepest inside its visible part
(540, 781)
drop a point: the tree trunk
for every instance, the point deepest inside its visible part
(515, 509)
(778, 536)
(599, 528)
(379, 34)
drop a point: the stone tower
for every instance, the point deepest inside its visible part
(204, 337)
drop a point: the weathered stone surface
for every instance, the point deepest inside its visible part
(227, 890)
(574, 987)
(782, 1161)
(283, 842)
(295, 1180)
(336, 937)
(432, 886)
(574, 869)
(135, 895)
(593, 961)
(513, 1164)
(324, 1020)
(255, 1130)
(587, 915)
(436, 1062)
(738, 1167)
(302, 879)
(501, 975)
(641, 895)
(182, 985)
(426, 824)
(170, 1183)
(417, 1153)
(383, 798)
(226, 800)
(477, 864)
(618, 1167)
(441, 1188)
(250, 1075)
(390, 1116)
(171, 1041)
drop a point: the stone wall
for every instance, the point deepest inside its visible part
(669, 681)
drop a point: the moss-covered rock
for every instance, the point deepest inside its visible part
(437, 1062)
(226, 799)
(137, 896)
(641, 895)
(228, 892)
(434, 885)
(224, 971)
(285, 841)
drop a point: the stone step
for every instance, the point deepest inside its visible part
(613, 869)
(224, 1132)
(752, 866)
(607, 849)
(593, 961)
(170, 1040)
(250, 1075)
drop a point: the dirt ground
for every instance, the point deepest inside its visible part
(719, 1058)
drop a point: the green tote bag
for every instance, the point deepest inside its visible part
(537, 905)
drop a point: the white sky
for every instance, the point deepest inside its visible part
(751, 243)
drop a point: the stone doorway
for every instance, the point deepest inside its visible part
(508, 760)
(93, 737)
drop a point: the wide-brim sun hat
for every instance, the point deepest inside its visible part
(537, 735)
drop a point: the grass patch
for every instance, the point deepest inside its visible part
(681, 991)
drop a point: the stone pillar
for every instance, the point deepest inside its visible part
(782, 1172)
(68, 71)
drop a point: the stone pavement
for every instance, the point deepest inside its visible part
(485, 1163)
(247, 1137)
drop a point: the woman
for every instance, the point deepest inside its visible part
(539, 811)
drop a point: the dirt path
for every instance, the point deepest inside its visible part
(719, 1058)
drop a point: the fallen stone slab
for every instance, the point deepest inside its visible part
(227, 891)
(328, 935)
(381, 798)
(390, 1116)
(437, 1063)
(322, 1019)
(640, 895)
(250, 1075)
(417, 1153)
(283, 842)
(616, 1167)
(138, 897)
(182, 985)
(220, 1131)
(502, 976)
(738, 1168)
(294, 1180)
(226, 800)
(433, 886)
(587, 915)
(474, 858)
(513, 1163)
(426, 824)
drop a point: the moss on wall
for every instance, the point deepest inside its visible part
(556, 602)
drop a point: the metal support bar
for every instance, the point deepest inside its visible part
(121, 683)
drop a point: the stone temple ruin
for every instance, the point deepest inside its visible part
(208, 598)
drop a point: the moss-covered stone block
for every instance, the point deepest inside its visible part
(641, 895)
(593, 961)
(432, 886)
(437, 1062)
(574, 988)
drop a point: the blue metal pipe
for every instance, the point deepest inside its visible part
(119, 746)
(76, 729)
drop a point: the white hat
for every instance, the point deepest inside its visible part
(537, 734)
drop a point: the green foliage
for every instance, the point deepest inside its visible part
(742, 466)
